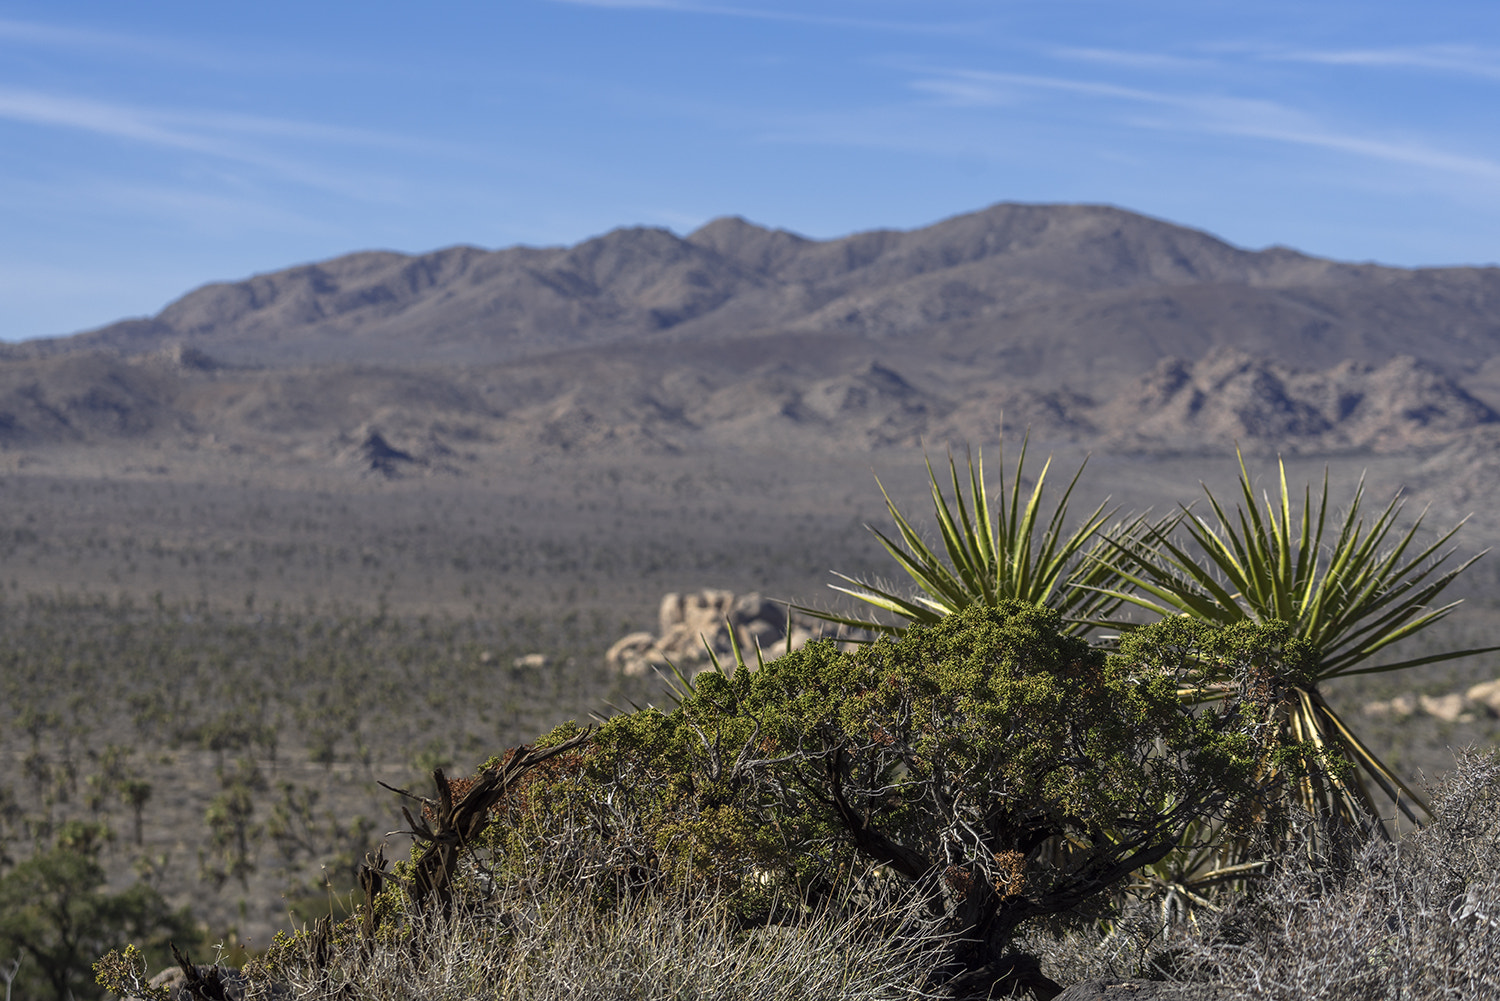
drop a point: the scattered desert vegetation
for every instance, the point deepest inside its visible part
(247, 583)
(213, 772)
(663, 855)
(229, 760)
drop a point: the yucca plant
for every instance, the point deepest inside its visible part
(1015, 551)
(1350, 599)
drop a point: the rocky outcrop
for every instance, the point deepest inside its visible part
(693, 624)
(1481, 700)
(374, 453)
(1230, 396)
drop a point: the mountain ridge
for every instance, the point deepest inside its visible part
(1094, 325)
(731, 278)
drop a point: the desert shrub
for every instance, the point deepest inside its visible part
(645, 805)
(1347, 917)
(56, 916)
(1004, 770)
(1261, 666)
(1349, 587)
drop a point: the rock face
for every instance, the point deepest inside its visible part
(1229, 397)
(692, 624)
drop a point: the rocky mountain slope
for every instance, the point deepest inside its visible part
(1088, 323)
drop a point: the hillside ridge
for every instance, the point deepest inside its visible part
(1075, 264)
(1088, 324)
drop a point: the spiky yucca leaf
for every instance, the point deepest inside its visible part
(1350, 599)
(1013, 551)
(1206, 860)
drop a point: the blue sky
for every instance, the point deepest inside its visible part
(147, 148)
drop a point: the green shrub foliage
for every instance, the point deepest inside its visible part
(1349, 596)
(1004, 769)
(56, 916)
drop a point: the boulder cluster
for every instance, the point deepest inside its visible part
(693, 624)
(1482, 700)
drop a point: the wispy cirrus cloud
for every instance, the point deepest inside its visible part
(1466, 60)
(170, 127)
(764, 14)
(1255, 118)
(984, 87)
(1132, 60)
(226, 136)
(158, 51)
(198, 209)
(37, 34)
(38, 108)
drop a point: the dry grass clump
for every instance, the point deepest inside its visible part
(1132, 944)
(1363, 919)
(550, 944)
(1416, 919)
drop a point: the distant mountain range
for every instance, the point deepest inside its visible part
(1087, 323)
